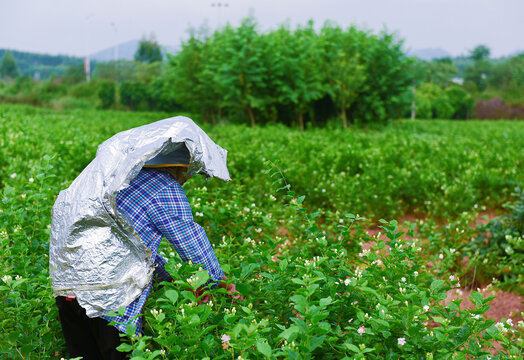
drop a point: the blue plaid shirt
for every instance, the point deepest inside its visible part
(156, 205)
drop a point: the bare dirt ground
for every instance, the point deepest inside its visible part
(506, 305)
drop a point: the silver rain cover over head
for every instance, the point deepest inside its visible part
(94, 253)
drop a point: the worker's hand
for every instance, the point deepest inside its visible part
(198, 293)
(233, 294)
(230, 288)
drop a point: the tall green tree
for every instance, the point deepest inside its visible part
(387, 90)
(300, 73)
(480, 53)
(507, 78)
(440, 71)
(243, 75)
(184, 71)
(74, 74)
(344, 71)
(477, 73)
(297, 63)
(210, 83)
(8, 67)
(148, 50)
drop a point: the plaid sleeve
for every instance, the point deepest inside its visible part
(170, 212)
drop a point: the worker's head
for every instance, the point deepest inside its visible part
(176, 162)
(179, 173)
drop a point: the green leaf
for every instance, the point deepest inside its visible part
(325, 301)
(131, 329)
(161, 317)
(379, 324)
(315, 342)
(293, 355)
(283, 265)
(462, 335)
(368, 290)
(477, 298)
(27, 349)
(360, 315)
(436, 285)
(351, 347)
(298, 281)
(440, 320)
(248, 269)
(491, 332)
(172, 295)
(264, 348)
(201, 278)
(195, 319)
(124, 348)
(293, 329)
(299, 300)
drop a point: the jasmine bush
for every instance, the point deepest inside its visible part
(316, 285)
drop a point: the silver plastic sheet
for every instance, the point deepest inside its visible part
(94, 254)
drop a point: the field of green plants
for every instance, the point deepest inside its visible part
(290, 231)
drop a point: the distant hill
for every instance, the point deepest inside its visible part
(126, 51)
(429, 53)
(41, 66)
(44, 66)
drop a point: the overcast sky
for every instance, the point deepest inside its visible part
(79, 27)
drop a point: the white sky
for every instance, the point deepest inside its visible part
(79, 27)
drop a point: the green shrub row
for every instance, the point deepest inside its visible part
(295, 253)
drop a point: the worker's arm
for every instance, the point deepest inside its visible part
(171, 214)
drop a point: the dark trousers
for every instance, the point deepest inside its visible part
(91, 338)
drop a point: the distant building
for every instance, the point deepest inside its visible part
(457, 80)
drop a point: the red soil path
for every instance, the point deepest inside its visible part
(505, 305)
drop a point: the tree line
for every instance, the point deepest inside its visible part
(298, 74)
(289, 75)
